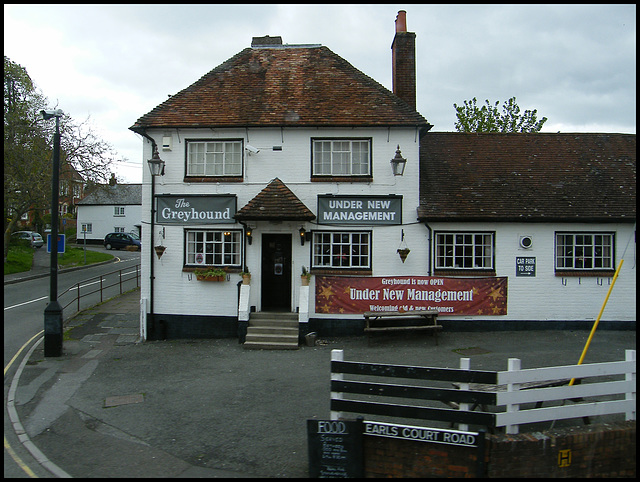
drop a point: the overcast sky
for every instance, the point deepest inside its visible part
(575, 64)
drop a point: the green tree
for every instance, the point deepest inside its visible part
(25, 145)
(28, 145)
(487, 118)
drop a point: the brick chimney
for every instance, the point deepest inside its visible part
(266, 41)
(403, 58)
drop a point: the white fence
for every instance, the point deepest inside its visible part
(610, 386)
(572, 397)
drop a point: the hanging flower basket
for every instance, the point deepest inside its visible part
(159, 250)
(403, 252)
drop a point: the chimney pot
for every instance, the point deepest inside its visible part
(266, 41)
(401, 21)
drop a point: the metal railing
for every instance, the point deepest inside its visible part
(102, 282)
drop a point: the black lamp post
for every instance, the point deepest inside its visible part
(53, 311)
(156, 166)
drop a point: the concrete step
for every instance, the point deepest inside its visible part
(251, 345)
(272, 337)
(274, 315)
(271, 323)
(272, 331)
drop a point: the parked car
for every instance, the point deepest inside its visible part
(34, 238)
(121, 240)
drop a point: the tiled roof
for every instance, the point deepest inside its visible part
(528, 177)
(279, 86)
(120, 194)
(275, 202)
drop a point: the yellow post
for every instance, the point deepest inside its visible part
(595, 324)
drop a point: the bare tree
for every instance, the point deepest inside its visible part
(28, 145)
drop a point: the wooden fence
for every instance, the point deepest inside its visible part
(472, 391)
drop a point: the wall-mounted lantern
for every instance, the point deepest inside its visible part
(249, 234)
(303, 235)
(398, 163)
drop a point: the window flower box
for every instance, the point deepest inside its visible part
(210, 274)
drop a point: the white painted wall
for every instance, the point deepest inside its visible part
(104, 222)
(544, 297)
(181, 293)
(550, 297)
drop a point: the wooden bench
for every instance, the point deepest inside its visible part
(385, 321)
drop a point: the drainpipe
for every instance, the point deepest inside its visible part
(430, 254)
(151, 261)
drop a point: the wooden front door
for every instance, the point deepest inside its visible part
(276, 272)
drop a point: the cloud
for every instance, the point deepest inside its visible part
(574, 64)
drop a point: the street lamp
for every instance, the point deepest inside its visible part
(53, 311)
(156, 167)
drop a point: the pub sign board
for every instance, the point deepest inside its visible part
(449, 296)
(335, 448)
(360, 210)
(195, 209)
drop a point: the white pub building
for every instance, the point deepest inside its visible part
(285, 159)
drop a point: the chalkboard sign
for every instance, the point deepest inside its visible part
(335, 448)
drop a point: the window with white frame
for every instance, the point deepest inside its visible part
(341, 157)
(118, 211)
(213, 247)
(118, 229)
(584, 251)
(214, 158)
(464, 250)
(87, 227)
(342, 249)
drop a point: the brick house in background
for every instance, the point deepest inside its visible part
(285, 157)
(71, 191)
(72, 186)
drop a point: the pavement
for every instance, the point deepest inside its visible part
(113, 406)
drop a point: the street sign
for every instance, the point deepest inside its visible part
(60, 243)
(525, 266)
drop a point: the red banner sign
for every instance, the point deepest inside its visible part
(450, 296)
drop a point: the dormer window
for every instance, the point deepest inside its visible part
(341, 157)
